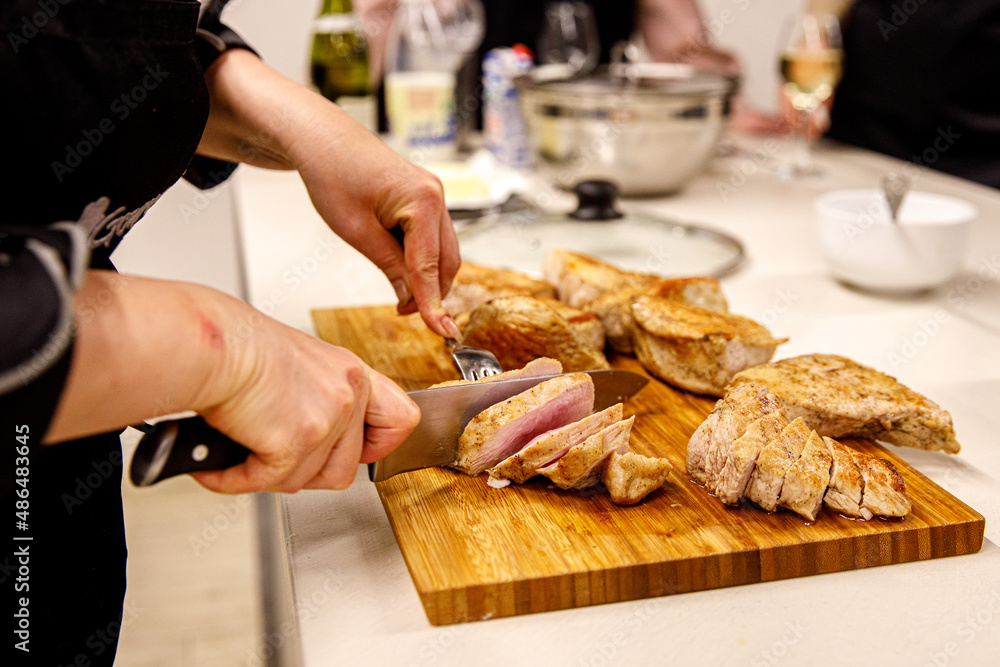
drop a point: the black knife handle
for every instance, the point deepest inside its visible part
(179, 446)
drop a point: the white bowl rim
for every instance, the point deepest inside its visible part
(963, 211)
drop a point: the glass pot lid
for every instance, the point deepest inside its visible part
(519, 240)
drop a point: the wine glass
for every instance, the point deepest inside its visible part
(810, 69)
(569, 38)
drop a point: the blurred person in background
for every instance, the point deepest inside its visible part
(919, 84)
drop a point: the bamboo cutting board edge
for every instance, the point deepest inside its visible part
(449, 525)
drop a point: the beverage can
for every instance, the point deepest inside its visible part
(504, 126)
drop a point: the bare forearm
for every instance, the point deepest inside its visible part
(144, 348)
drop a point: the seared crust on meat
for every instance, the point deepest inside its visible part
(847, 485)
(474, 285)
(696, 349)
(615, 309)
(732, 482)
(630, 477)
(807, 479)
(579, 278)
(840, 397)
(885, 491)
(518, 329)
(773, 463)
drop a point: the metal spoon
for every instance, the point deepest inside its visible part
(895, 187)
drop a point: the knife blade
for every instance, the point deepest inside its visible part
(180, 446)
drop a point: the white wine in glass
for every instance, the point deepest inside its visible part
(811, 63)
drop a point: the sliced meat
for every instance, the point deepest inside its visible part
(583, 464)
(548, 447)
(732, 424)
(518, 329)
(885, 491)
(474, 285)
(630, 477)
(579, 278)
(615, 309)
(840, 397)
(773, 463)
(502, 429)
(694, 348)
(847, 484)
(732, 482)
(807, 479)
(701, 441)
(534, 368)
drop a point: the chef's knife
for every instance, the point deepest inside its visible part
(179, 446)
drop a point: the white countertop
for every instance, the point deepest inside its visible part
(357, 605)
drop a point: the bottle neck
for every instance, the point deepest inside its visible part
(336, 7)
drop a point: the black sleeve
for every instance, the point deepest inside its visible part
(39, 271)
(212, 40)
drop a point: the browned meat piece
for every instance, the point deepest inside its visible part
(839, 397)
(701, 441)
(474, 285)
(807, 479)
(518, 329)
(696, 349)
(583, 464)
(732, 424)
(630, 477)
(773, 463)
(586, 325)
(732, 482)
(550, 446)
(615, 309)
(885, 491)
(846, 483)
(534, 368)
(579, 278)
(502, 429)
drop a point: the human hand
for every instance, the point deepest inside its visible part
(308, 411)
(360, 187)
(365, 192)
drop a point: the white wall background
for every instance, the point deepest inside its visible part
(190, 235)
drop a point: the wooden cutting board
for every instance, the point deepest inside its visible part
(475, 552)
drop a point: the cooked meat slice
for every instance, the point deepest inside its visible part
(701, 441)
(474, 285)
(534, 368)
(615, 309)
(696, 349)
(630, 477)
(733, 423)
(583, 464)
(773, 463)
(548, 447)
(502, 429)
(579, 278)
(846, 482)
(586, 325)
(885, 491)
(519, 328)
(840, 397)
(732, 482)
(807, 479)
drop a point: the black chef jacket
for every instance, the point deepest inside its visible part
(104, 103)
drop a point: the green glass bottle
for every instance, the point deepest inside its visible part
(340, 61)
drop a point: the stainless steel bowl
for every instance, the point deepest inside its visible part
(648, 134)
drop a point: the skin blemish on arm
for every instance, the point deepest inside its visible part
(210, 333)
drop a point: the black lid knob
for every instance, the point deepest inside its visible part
(595, 201)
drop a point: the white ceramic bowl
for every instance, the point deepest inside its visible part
(863, 247)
